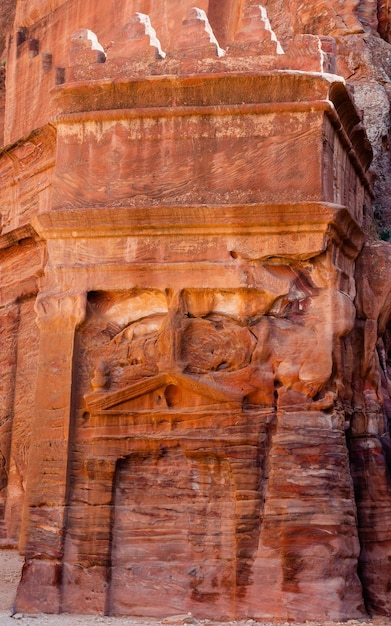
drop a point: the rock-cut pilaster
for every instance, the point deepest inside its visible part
(42, 534)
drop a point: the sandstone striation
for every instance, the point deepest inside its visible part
(195, 306)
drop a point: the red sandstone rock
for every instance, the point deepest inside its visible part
(195, 383)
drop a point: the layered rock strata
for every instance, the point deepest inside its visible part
(195, 382)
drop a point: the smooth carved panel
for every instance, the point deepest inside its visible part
(225, 159)
(173, 535)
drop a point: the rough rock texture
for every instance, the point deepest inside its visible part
(195, 305)
(7, 12)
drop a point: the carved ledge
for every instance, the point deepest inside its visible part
(13, 237)
(316, 218)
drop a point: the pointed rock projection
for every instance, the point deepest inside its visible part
(137, 41)
(196, 39)
(85, 52)
(256, 35)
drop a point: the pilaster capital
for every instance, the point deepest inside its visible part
(64, 312)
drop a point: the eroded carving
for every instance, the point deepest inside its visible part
(214, 344)
(281, 352)
(65, 311)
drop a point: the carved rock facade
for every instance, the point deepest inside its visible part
(195, 384)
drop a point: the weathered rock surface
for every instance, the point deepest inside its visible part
(195, 309)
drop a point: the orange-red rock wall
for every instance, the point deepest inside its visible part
(194, 309)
